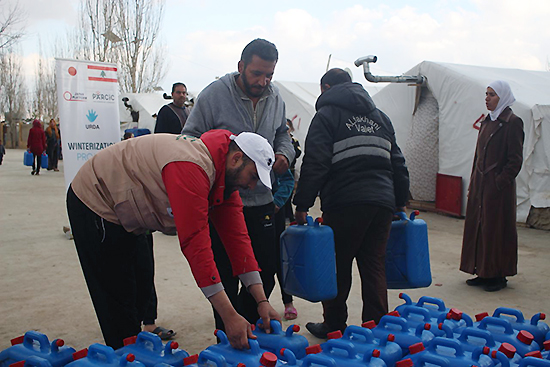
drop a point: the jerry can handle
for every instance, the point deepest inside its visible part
(477, 333)
(31, 336)
(431, 300)
(358, 331)
(509, 311)
(97, 349)
(144, 338)
(496, 322)
(288, 356)
(209, 356)
(341, 345)
(254, 346)
(433, 359)
(399, 321)
(533, 361)
(221, 335)
(415, 310)
(401, 215)
(448, 343)
(320, 360)
(276, 328)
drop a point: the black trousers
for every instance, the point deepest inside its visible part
(259, 222)
(361, 233)
(150, 316)
(118, 269)
(36, 162)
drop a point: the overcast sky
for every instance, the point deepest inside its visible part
(204, 38)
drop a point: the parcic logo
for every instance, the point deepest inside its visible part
(99, 96)
(92, 115)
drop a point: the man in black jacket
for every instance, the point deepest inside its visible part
(172, 117)
(353, 160)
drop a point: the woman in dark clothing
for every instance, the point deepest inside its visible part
(52, 140)
(490, 244)
(36, 144)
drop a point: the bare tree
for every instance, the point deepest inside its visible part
(44, 104)
(142, 66)
(13, 98)
(125, 32)
(11, 27)
(96, 24)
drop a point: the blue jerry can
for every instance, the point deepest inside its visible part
(407, 254)
(364, 342)
(253, 357)
(148, 349)
(345, 354)
(308, 261)
(44, 162)
(447, 352)
(103, 356)
(27, 158)
(37, 344)
(535, 326)
(277, 340)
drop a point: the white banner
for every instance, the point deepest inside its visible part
(87, 96)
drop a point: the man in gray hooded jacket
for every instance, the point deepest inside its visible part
(247, 101)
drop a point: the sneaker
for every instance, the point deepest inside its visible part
(477, 281)
(495, 284)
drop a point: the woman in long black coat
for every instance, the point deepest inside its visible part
(490, 245)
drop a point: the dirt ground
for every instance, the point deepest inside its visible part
(42, 287)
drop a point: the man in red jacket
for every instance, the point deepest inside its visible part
(166, 182)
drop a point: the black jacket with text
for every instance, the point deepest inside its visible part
(351, 155)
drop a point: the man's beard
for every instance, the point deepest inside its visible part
(248, 88)
(231, 178)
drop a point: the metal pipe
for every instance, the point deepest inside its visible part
(366, 60)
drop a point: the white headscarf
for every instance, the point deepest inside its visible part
(503, 91)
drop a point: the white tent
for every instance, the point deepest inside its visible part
(436, 124)
(147, 104)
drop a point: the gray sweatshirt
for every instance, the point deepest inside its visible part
(221, 105)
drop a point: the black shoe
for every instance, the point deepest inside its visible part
(495, 284)
(321, 330)
(477, 281)
(318, 329)
(32, 172)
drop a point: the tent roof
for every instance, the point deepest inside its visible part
(460, 93)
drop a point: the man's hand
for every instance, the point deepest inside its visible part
(267, 313)
(238, 330)
(281, 164)
(300, 217)
(265, 310)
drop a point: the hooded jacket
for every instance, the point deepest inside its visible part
(221, 106)
(351, 156)
(36, 141)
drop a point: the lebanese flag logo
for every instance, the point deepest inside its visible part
(102, 73)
